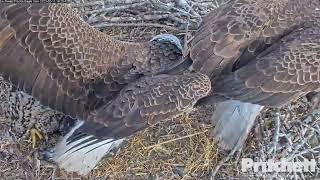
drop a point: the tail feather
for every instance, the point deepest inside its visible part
(233, 121)
(81, 154)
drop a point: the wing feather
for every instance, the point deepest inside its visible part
(281, 75)
(73, 53)
(69, 63)
(243, 27)
(224, 33)
(151, 99)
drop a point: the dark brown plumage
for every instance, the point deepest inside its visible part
(257, 53)
(72, 67)
(118, 87)
(264, 52)
(150, 100)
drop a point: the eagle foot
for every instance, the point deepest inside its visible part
(34, 136)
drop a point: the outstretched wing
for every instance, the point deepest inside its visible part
(284, 72)
(241, 26)
(50, 53)
(73, 53)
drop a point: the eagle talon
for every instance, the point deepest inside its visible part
(34, 136)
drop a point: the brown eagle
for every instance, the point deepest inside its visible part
(113, 88)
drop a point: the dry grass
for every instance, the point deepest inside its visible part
(176, 149)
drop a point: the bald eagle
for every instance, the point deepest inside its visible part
(113, 88)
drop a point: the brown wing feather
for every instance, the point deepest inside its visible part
(242, 26)
(151, 99)
(71, 67)
(74, 54)
(281, 75)
(30, 77)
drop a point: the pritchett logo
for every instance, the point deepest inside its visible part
(248, 164)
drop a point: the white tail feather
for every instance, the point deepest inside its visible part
(233, 121)
(83, 158)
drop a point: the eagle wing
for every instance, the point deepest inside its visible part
(50, 53)
(239, 26)
(150, 100)
(72, 52)
(285, 71)
(51, 39)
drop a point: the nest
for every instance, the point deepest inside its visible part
(179, 148)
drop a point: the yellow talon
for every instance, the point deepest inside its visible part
(34, 136)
